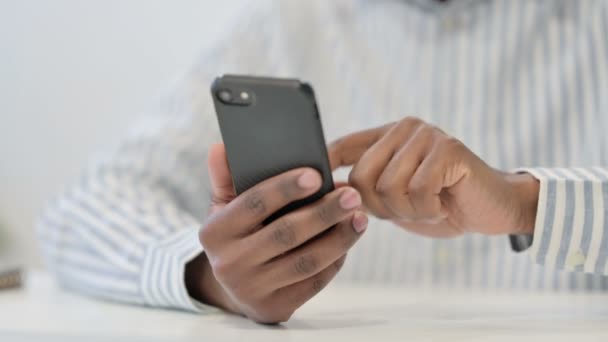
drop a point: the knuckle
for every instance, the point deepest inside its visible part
(221, 267)
(227, 266)
(427, 130)
(254, 229)
(339, 263)
(205, 235)
(254, 202)
(346, 235)
(412, 121)
(318, 284)
(384, 188)
(425, 133)
(358, 178)
(418, 189)
(450, 145)
(305, 264)
(249, 289)
(284, 234)
(324, 213)
(208, 233)
(438, 132)
(245, 291)
(289, 189)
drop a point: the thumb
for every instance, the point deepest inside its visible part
(219, 174)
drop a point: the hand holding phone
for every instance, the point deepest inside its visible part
(278, 232)
(266, 272)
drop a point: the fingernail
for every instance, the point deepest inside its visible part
(359, 222)
(350, 199)
(309, 179)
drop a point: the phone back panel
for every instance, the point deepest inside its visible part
(281, 130)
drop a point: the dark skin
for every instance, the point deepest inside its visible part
(266, 272)
(420, 178)
(409, 172)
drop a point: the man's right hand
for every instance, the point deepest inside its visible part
(267, 272)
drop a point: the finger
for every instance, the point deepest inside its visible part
(364, 175)
(297, 294)
(347, 150)
(340, 184)
(249, 209)
(222, 187)
(298, 227)
(425, 187)
(392, 185)
(441, 170)
(313, 257)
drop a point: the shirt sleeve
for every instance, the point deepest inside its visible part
(126, 229)
(571, 228)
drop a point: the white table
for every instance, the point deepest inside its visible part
(349, 313)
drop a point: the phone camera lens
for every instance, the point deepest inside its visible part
(224, 95)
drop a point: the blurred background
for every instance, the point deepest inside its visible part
(72, 73)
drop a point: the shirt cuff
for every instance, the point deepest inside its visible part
(522, 242)
(542, 228)
(567, 206)
(162, 281)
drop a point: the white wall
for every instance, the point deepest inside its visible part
(72, 75)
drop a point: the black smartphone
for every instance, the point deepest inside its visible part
(270, 126)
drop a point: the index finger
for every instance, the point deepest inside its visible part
(347, 150)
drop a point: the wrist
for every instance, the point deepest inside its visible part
(202, 285)
(526, 189)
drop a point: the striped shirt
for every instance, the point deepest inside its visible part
(523, 83)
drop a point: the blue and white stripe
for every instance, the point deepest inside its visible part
(523, 83)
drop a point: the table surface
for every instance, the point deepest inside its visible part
(41, 311)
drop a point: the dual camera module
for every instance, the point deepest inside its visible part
(239, 98)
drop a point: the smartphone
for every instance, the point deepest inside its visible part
(270, 126)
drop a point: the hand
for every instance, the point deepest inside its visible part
(267, 272)
(415, 175)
